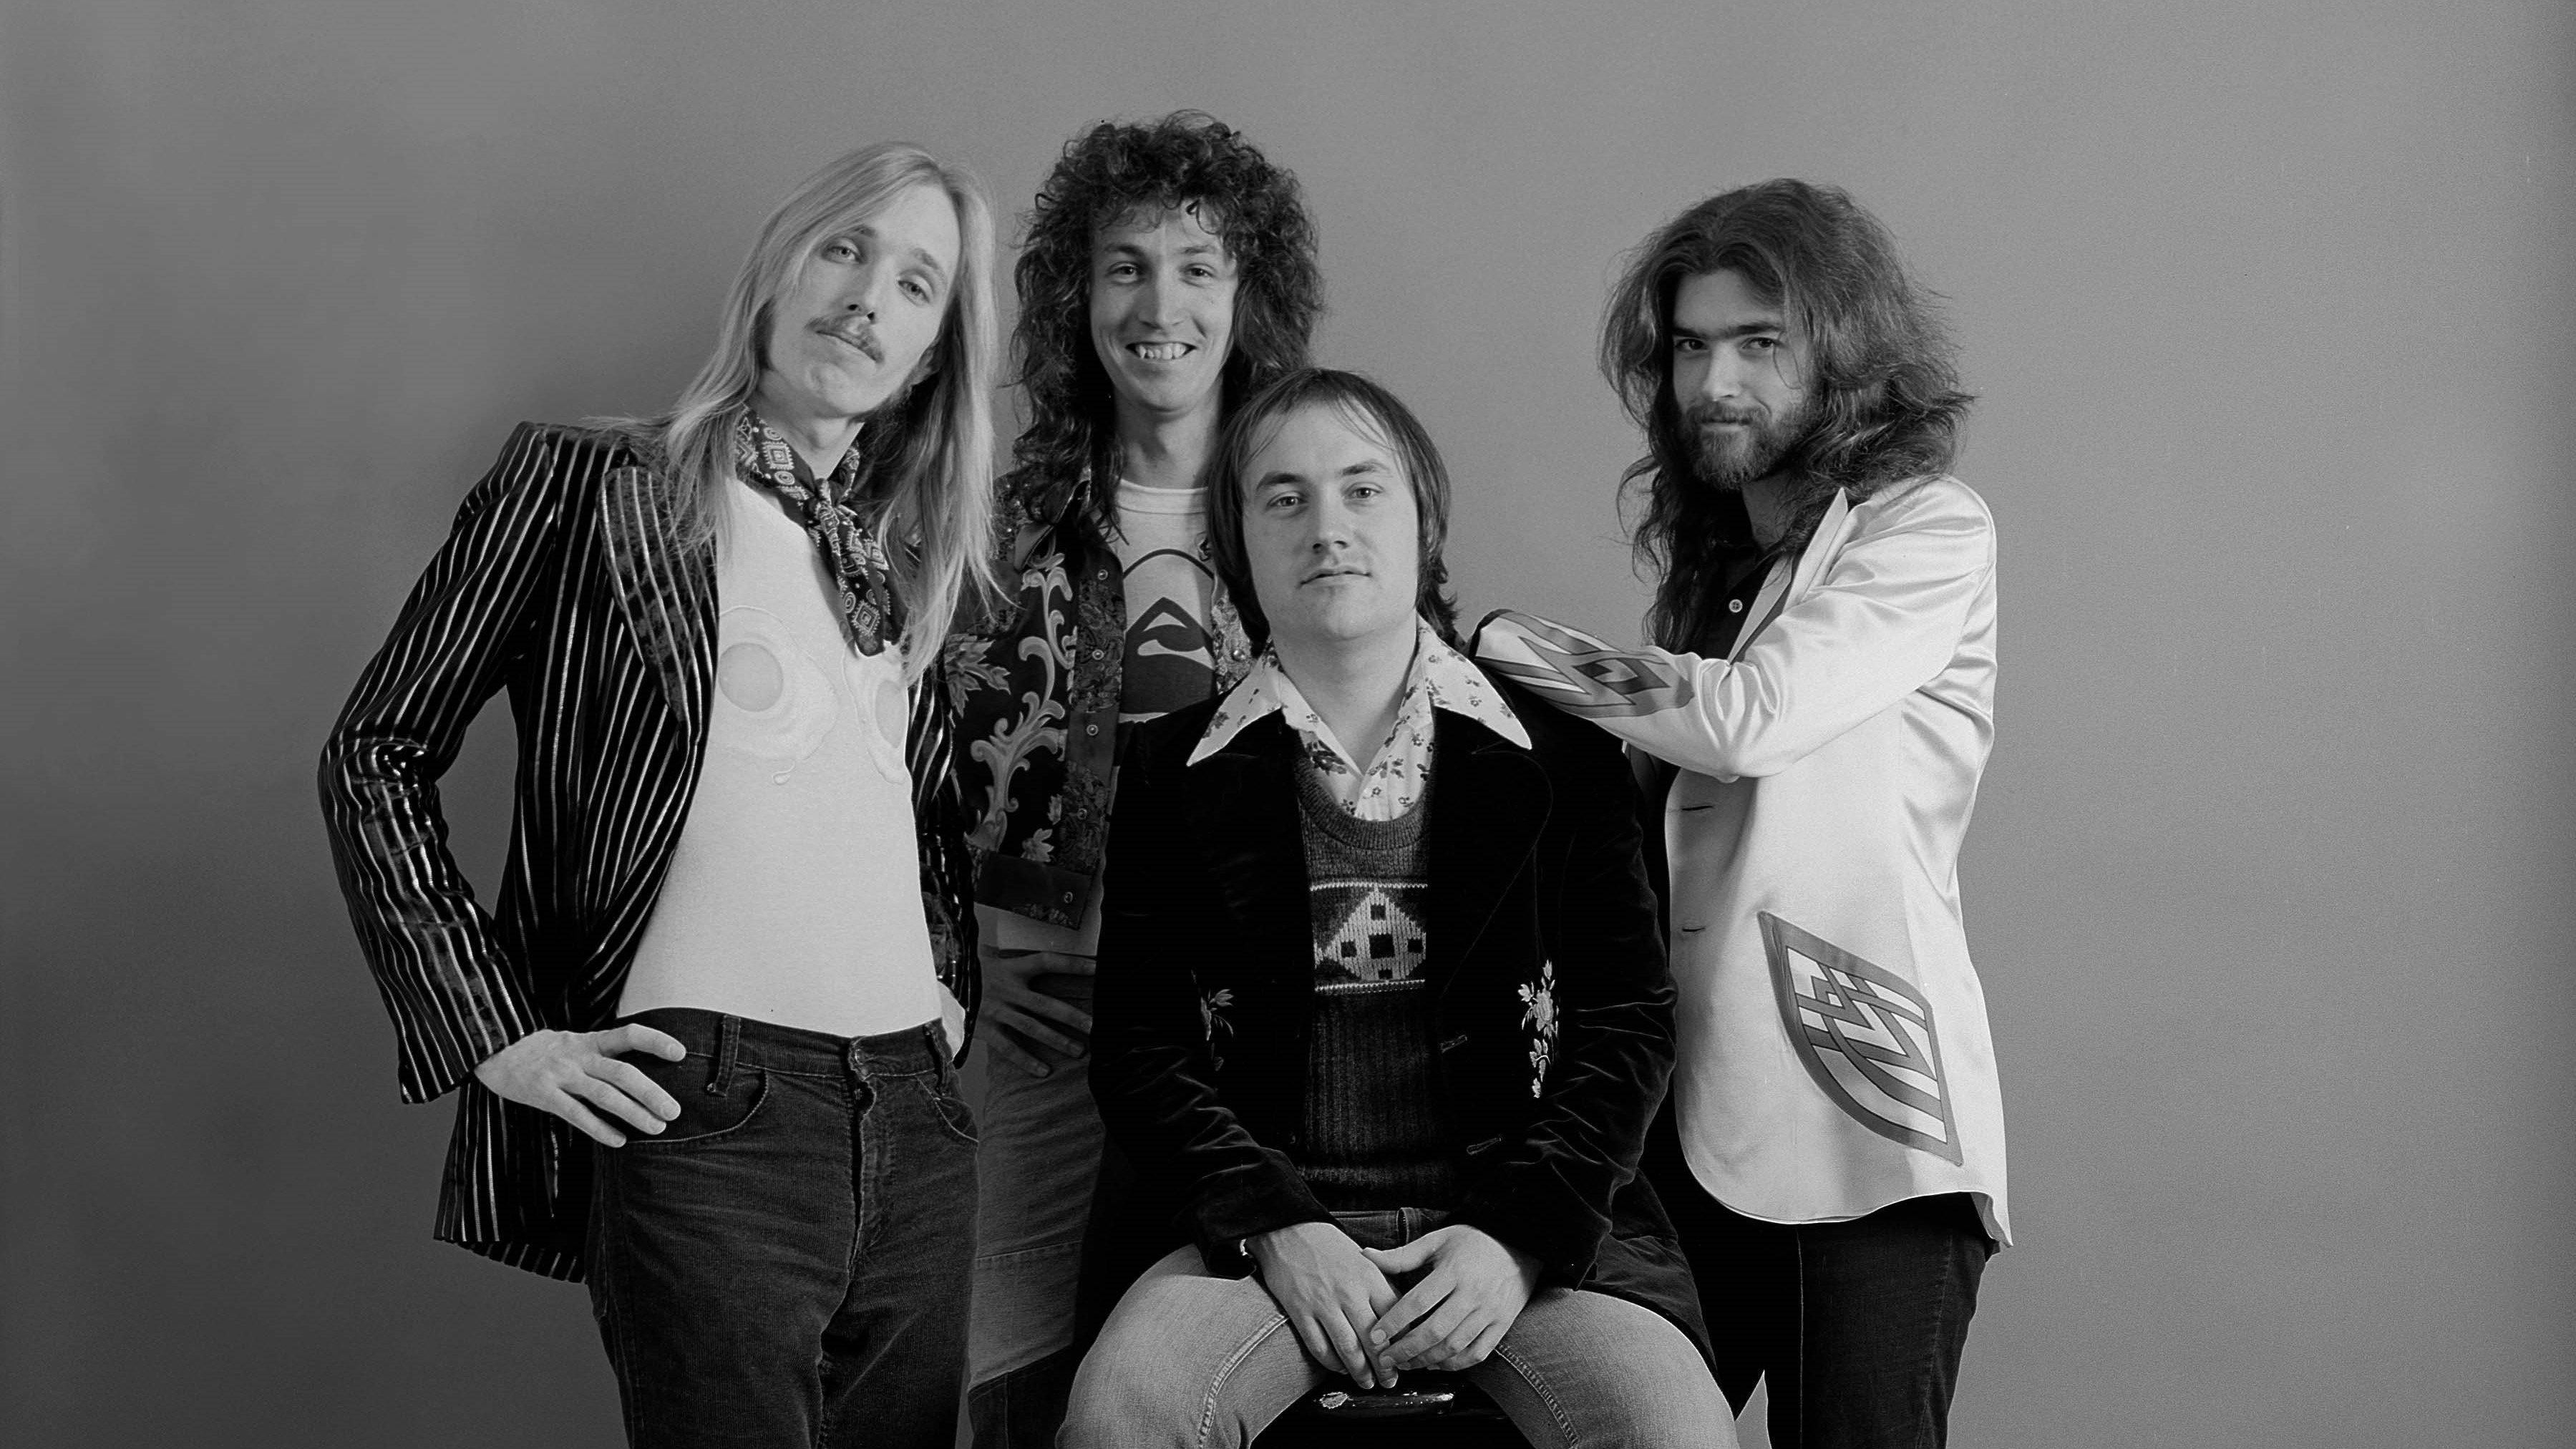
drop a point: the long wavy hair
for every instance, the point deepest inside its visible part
(1365, 405)
(928, 452)
(1879, 364)
(1106, 175)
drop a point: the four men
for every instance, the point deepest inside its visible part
(1383, 1012)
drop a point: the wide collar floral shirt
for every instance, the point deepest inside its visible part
(1440, 678)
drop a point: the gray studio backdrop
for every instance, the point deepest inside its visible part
(2269, 886)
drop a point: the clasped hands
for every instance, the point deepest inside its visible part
(1468, 1287)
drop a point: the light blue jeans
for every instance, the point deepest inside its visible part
(1038, 1165)
(1190, 1359)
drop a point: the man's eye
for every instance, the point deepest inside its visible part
(1760, 344)
(1686, 344)
(916, 289)
(841, 251)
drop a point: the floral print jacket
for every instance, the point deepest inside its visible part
(1038, 703)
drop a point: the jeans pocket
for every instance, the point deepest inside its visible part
(705, 1117)
(955, 1117)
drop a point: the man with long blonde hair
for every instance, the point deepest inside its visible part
(710, 956)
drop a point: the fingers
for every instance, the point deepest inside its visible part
(1478, 1349)
(1406, 1259)
(616, 1105)
(588, 1121)
(634, 1036)
(1016, 1016)
(623, 1077)
(1346, 1349)
(1311, 1337)
(1406, 1310)
(1008, 1048)
(1436, 1333)
(1038, 1003)
(1037, 1035)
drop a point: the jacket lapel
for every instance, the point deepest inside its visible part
(1243, 804)
(667, 595)
(1489, 801)
(1821, 548)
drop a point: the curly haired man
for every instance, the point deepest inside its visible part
(1168, 272)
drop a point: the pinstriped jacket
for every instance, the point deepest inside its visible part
(562, 582)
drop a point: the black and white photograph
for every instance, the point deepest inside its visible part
(1126, 723)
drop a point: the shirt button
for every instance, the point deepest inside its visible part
(1067, 898)
(1735, 606)
(1091, 729)
(1095, 653)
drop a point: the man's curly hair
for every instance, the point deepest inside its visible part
(1110, 173)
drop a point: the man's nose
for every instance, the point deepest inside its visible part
(1160, 301)
(1723, 378)
(1330, 525)
(867, 292)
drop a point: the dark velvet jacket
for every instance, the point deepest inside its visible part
(1554, 1024)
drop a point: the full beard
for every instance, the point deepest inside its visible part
(1730, 458)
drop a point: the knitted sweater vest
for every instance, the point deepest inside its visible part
(1376, 1134)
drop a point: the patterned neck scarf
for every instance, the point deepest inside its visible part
(850, 547)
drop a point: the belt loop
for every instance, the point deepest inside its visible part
(937, 1042)
(728, 1043)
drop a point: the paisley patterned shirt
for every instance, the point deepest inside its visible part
(1440, 678)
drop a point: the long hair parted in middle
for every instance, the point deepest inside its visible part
(1106, 175)
(928, 452)
(1367, 408)
(1879, 365)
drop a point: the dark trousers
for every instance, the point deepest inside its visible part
(1858, 1324)
(788, 1263)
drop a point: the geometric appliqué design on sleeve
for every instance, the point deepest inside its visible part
(1865, 1035)
(1367, 933)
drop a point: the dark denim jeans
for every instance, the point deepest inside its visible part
(788, 1263)
(1858, 1324)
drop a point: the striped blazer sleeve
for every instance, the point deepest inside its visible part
(455, 994)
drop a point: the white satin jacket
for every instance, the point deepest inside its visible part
(1834, 1055)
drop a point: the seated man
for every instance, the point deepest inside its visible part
(1382, 1030)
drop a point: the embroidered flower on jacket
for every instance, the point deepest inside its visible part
(1540, 1019)
(1211, 1018)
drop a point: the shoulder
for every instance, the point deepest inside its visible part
(1564, 745)
(1935, 501)
(559, 453)
(1936, 518)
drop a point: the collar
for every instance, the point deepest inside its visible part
(1441, 678)
(763, 455)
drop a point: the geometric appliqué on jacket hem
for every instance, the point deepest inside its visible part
(1865, 1035)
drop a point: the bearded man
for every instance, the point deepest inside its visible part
(1812, 720)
